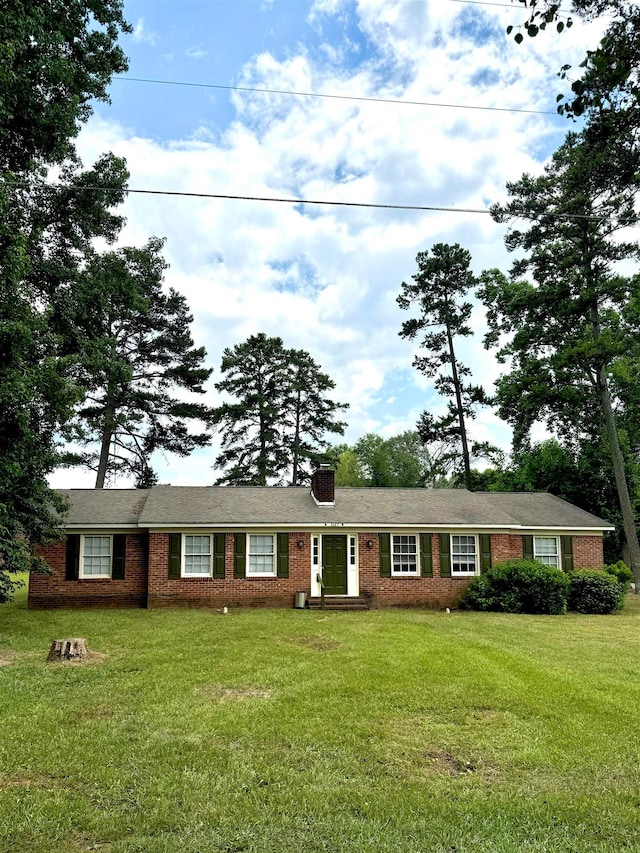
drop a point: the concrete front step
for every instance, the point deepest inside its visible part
(338, 602)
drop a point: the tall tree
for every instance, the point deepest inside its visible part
(136, 361)
(443, 279)
(250, 425)
(56, 57)
(606, 89)
(310, 414)
(280, 414)
(571, 325)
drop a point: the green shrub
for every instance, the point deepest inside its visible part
(594, 591)
(518, 586)
(621, 572)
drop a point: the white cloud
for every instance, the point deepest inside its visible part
(196, 52)
(140, 34)
(326, 278)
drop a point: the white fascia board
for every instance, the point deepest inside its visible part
(102, 527)
(570, 529)
(369, 525)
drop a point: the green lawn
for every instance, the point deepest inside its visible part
(296, 731)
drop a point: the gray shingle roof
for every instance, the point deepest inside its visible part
(232, 507)
(115, 507)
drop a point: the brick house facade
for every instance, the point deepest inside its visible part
(232, 547)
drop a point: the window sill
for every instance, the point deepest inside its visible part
(200, 576)
(94, 577)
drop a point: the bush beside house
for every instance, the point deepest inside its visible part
(518, 586)
(528, 586)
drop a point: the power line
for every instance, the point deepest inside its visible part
(397, 101)
(324, 202)
(485, 3)
(500, 5)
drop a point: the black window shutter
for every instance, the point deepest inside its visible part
(72, 571)
(527, 547)
(218, 555)
(175, 555)
(426, 557)
(240, 555)
(445, 555)
(485, 551)
(384, 540)
(566, 549)
(283, 555)
(118, 557)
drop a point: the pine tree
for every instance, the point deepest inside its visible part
(443, 279)
(279, 413)
(310, 414)
(567, 331)
(56, 57)
(136, 358)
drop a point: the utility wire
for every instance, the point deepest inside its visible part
(361, 204)
(502, 6)
(397, 101)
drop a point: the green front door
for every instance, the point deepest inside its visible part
(334, 559)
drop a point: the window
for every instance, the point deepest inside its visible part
(197, 555)
(464, 555)
(96, 557)
(315, 551)
(404, 556)
(545, 549)
(352, 550)
(261, 554)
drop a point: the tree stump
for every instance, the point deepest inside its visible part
(72, 649)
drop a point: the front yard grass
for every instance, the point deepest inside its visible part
(268, 730)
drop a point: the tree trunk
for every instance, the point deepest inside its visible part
(104, 459)
(73, 649)
(463, 432)
(296, 443)
(617, 459)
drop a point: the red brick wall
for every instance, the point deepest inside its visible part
(444, 592)
(587, 552)
(230, 591)
(435, 592)
(54, 591)
(505, 546)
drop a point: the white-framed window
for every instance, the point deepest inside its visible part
(464, 554)
(545, 549)
(404, 554)
(352, 550)
(261, 554)
(197, 555)
(96, 556)
(315, 551)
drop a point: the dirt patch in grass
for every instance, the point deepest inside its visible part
(99, 712)
(317, 644)
(448, 764)
(230, 694)
(6, 657)
(44, 781)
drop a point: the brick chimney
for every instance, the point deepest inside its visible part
(323, 486)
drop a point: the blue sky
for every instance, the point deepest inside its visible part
(326, 279)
